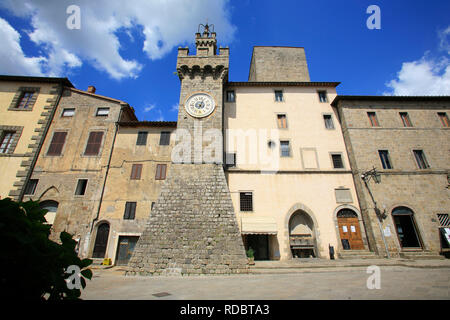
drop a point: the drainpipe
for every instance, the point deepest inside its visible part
(88, 237)
(44, 134)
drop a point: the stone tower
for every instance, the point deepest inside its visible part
(192, 228)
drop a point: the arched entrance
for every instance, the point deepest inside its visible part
(52, 207)
(349, 230)
(101, 241)
(406, 228)
(302, 239)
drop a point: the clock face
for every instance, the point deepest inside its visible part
(200, 105)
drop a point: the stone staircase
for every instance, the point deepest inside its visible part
(421, 255)
(357, 254)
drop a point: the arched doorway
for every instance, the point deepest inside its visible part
(406, 228)
(101, 241)
(52, 207)
(302, 239)
(349, 230)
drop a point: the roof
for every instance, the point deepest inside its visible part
(65, 81)
(388, 98)
(94, 95)
(148, 124)
(283, 84)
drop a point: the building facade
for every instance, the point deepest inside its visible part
(273, 164)
(407, 141)
(27, 106)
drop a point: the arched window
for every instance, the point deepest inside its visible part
(52, 207)
(405, 226)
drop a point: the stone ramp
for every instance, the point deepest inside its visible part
(192, 228)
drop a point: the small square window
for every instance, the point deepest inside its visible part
(165, 138)
(373, 119)
(6, 142)
(322, 96)
(285, 149)
(136, 170)
(385, 160)
(130, 211)
(81, 187)
(278, 95)
(230, 159)
(246, 201)
(337, 161)
(231, 96)
(420, 159)
(142, 138)
(102, 112)
(160, 171)
(31, 186)
(405, 119)
(282, 121)
(444, 119)
(68, 112)
(328, 121)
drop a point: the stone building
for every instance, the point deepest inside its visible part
(70, 172)
(407, 141)
(27, 106)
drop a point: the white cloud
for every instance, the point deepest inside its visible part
(426, 76)
(164, 24)
(12, 58)
(175, 107)
(149, 108)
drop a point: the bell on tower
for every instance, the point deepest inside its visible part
(206, 42)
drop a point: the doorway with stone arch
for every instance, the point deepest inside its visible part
(349, 229)
(406, 228)
(101, 240)
(302, 235)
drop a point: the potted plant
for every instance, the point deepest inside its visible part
(251, 256)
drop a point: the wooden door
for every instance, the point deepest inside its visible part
(350, 233)
(101, 241)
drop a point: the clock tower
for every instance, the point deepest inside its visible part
(193, 228)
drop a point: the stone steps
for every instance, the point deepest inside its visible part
(421, 255)
(356, 254)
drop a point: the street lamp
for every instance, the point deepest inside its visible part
(376, 176)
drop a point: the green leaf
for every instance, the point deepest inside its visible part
(87, 273)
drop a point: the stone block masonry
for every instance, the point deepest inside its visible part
(192, 229)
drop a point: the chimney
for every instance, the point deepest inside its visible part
(91, 89)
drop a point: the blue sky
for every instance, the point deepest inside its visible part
(128, 52)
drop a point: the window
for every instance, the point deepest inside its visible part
(94, 143)
(278, 95)
(57, 144)
(152, 206)
(136, 170)
(26, 100)
(164, 139)
(373, 119)
(7, 139)
(142, 138)
(68, 112)
(102, 112)
(130, 210)
(285, 149)
(160, 171)
(444, 119)
(420, 159)
(337, 161)
(246, 201)
(81, 187)
(405, 119)
(384, 157)
(282, 122)
(322, 96)
(230, 159)
(31, 186)
(328, 121)
(230, 96)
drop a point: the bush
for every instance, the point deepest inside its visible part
(250, 253)
(31, 265)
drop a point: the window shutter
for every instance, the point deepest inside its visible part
(57, 143)
(164, 138)
(142, 138)
(160, 172)
(136, 170)
(94, 143)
